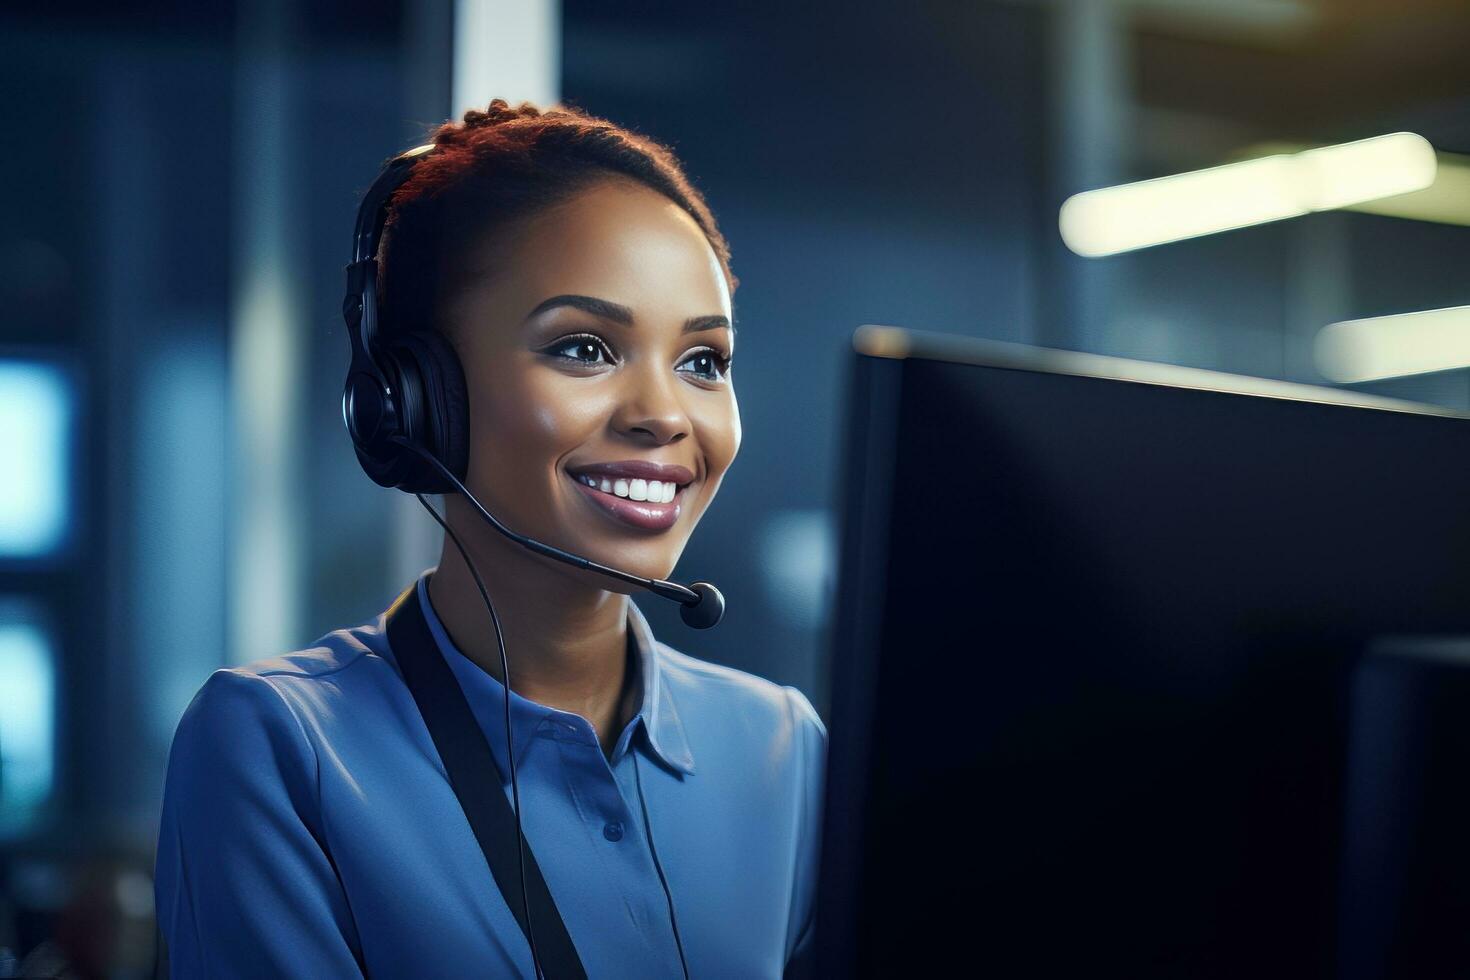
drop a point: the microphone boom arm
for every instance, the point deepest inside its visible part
(690, 598)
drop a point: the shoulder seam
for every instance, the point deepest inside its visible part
(358, 657)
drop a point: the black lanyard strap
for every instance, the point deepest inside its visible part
(473, 775)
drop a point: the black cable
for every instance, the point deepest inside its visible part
(669, 590)
(648, 831)
(509, 743)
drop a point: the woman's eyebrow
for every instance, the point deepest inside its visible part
(618, 313)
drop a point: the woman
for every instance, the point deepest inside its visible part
(671, 805)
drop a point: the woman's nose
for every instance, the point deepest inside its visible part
(651, 412)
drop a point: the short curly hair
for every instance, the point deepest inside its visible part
(495, 170)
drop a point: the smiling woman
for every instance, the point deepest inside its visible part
(579, 341)
(570, 294)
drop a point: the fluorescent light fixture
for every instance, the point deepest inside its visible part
(1395, 346)
(35, 444)
(1446, 201)
(1168, 209)
(27, 714)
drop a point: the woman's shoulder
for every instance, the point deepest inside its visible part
(716, 691)
(298, 689)
(331, 654)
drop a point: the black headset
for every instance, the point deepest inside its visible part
(406, 408)
(409, 385)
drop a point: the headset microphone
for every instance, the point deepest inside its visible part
(702, 605)
(707, 610)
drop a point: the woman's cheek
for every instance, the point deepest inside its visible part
(534, 412)
(735, 433)
(512, 429)
(722, 436)
(567, 412)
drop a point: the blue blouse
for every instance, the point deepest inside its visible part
(309, 828)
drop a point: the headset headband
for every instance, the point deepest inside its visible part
(369, 407)
(374, 204)
(362, 272)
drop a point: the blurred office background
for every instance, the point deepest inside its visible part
(176, 490)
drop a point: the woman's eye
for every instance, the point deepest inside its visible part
(708, 365)
(584, 350)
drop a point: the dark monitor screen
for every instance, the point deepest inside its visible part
(1102, 697)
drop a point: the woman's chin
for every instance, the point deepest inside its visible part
(628, 558)
(654, 569)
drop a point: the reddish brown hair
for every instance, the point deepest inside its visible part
(493, 171)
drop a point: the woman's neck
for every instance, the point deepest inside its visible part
(566, 642)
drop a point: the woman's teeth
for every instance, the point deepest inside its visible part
(652, 491)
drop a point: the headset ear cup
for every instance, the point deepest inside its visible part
(436, 409)
(452, 408)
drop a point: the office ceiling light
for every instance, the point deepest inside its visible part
(1394, 346)
(27, 715)
(1169, 209)
(35, 445)
(1446, 201)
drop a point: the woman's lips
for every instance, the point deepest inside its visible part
(646, 515)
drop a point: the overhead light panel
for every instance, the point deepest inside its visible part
(1237, 195)
(36, 408)
(1395, 346)
(1446, 201)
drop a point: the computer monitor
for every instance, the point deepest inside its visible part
(1126, 669)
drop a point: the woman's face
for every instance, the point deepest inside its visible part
(596, 343)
